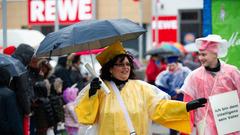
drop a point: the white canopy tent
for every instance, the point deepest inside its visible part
(18, 36)
(191, 47)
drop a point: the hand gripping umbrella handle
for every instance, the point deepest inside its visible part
(103, 85)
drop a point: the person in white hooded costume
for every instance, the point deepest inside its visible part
(213, 77)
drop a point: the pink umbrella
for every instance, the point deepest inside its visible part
(1, 49)
(95, 51)
(90, 52)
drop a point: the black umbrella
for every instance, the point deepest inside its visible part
(14, 66)
(88, 35)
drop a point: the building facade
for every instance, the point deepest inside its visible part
(164, 20)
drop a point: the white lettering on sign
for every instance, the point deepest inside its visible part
(226, 111)
(84, 5)
(69, 10)
(50, 10)
(165, 24)
(37, 9)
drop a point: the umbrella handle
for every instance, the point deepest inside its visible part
(103, 85)
(54, 47)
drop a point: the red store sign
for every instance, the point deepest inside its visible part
(69, 11)
(166, 29)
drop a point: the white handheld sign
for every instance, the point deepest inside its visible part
(226, 111)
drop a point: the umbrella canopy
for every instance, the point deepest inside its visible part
(165, 49)
(14, 66)
(159, 51)
(1, 49)
(87, 35)
(171, 48)
(180, 47)
(95, 51)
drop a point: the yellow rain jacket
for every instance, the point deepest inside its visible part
(144, 105)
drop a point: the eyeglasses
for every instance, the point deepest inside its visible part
(123, 64)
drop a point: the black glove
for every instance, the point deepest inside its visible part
(192, 105)
(94, 86)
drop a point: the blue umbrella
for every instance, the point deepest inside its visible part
(165, 50)
(171, 48)
(160, 51)
(88, 35)
(14, 66)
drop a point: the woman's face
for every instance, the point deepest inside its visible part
(208, 59)
(121, 70)
(172, 67)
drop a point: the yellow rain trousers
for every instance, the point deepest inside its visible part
(143, 104)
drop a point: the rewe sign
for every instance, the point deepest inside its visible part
(165, 27)
(69, 11)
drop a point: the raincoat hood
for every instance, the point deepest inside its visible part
(70, 94)
(24, 53)
(213, 43)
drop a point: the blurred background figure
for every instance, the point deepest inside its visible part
(45, 68)
(21, 85)
(43, 112)
(171, 80)
(62, 71)
(34, 76)
(191, 57)
(139, 68)
(10, 119)
(191, 60)
(155, 65)
(57, 103)
(71, 124)
(75, 73)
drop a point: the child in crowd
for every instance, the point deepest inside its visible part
(71, 124)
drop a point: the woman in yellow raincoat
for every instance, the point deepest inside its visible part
(144, 102)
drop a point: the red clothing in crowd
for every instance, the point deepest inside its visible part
(9, 50)
(153, 70)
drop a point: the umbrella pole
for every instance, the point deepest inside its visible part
(92, 61)
(91, 57)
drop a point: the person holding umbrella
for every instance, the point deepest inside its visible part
(131, 103)
(212, 78)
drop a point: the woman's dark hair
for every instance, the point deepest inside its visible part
(40, 89)
(62, 61)
(76, 59)
(45, 64)
(105, 71)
